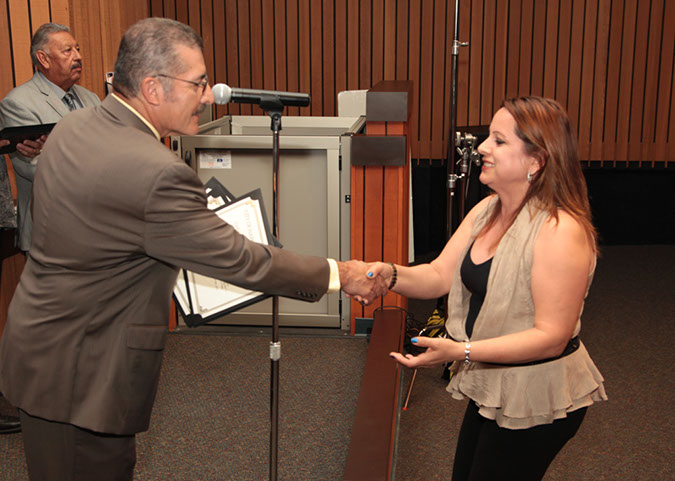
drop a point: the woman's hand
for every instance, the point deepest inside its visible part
(438, 352)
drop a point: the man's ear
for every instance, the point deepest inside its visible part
(43, 59)
(152, 90)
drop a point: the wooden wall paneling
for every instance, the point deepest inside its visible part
(488, 62)
(39, 13)
(551, 48)
(439, 91)
(538, 48)
(513, 71)
(182, 11)
(666, 89)
(243, 31)
(60, 11)
(476, 46)
(365, 44)
(463, 61)
(280, 61)
(256, 51)
(501, 55)
(390, 35)
(639, 66)
(156, 8)
(402, 19)
(293, 59)
(625, 82)
(112, 29)
(232, 40)
(206, 23)
(414, 21)
(377, 45)
(425, 77)
(86, 28)
(525, 72)
(576, 46)
(269, 69)
(449, 33)
(353, 39)
(170, 9)
(647, 150)
(613, 78)
(600, 80)
(220, 47)
(328, 60)
(304, 51)
(563, 53)
(19, 20)
(316, 55)
(7, 72)
(340, 49)
(588, 62)
(195, 16)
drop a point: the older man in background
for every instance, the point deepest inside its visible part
(44, 99)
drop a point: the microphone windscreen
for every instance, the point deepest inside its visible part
(221, 93)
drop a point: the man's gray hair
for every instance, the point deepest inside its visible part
(147, 49)
(41, 38)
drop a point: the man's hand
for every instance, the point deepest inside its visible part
(356, 282)
(4, 143)
(31, 148)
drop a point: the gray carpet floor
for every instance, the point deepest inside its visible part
(211, 418)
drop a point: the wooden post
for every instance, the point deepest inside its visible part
(380, 180)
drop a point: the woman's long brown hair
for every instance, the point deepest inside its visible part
(542, 124)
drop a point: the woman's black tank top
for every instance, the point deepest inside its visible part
(475, 278)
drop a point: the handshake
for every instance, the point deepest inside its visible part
(364, 282)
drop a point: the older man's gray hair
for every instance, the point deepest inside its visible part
(41, 38)
(147, 49)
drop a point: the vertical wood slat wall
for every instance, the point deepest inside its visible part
(609, 62)
(97, 25)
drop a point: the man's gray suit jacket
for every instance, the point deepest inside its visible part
(32, 103)
(115, 215)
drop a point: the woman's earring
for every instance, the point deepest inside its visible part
(529, 177)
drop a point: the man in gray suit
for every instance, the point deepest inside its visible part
(49, 95)
(116, 213)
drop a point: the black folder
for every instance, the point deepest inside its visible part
(16, 135)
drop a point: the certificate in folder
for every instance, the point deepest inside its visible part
(16, 135)
(202, 299)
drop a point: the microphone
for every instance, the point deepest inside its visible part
(224, 94)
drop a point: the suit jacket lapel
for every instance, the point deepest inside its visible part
(50, 97)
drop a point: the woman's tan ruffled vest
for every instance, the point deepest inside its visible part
(516, 397)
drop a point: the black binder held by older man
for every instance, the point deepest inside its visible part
(16, 135)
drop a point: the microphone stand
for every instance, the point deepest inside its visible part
(274, 107)
(452, 145)
(452, 138)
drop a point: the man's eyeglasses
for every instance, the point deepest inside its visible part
(201, 84)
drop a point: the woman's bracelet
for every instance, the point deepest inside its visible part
(467, 352)
(394, 274)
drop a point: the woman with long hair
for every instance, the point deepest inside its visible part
(516, 271)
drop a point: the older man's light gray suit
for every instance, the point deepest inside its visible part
(31, 103)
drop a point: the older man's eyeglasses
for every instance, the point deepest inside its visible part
(201, 84)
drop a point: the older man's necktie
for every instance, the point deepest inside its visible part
(70, 101)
